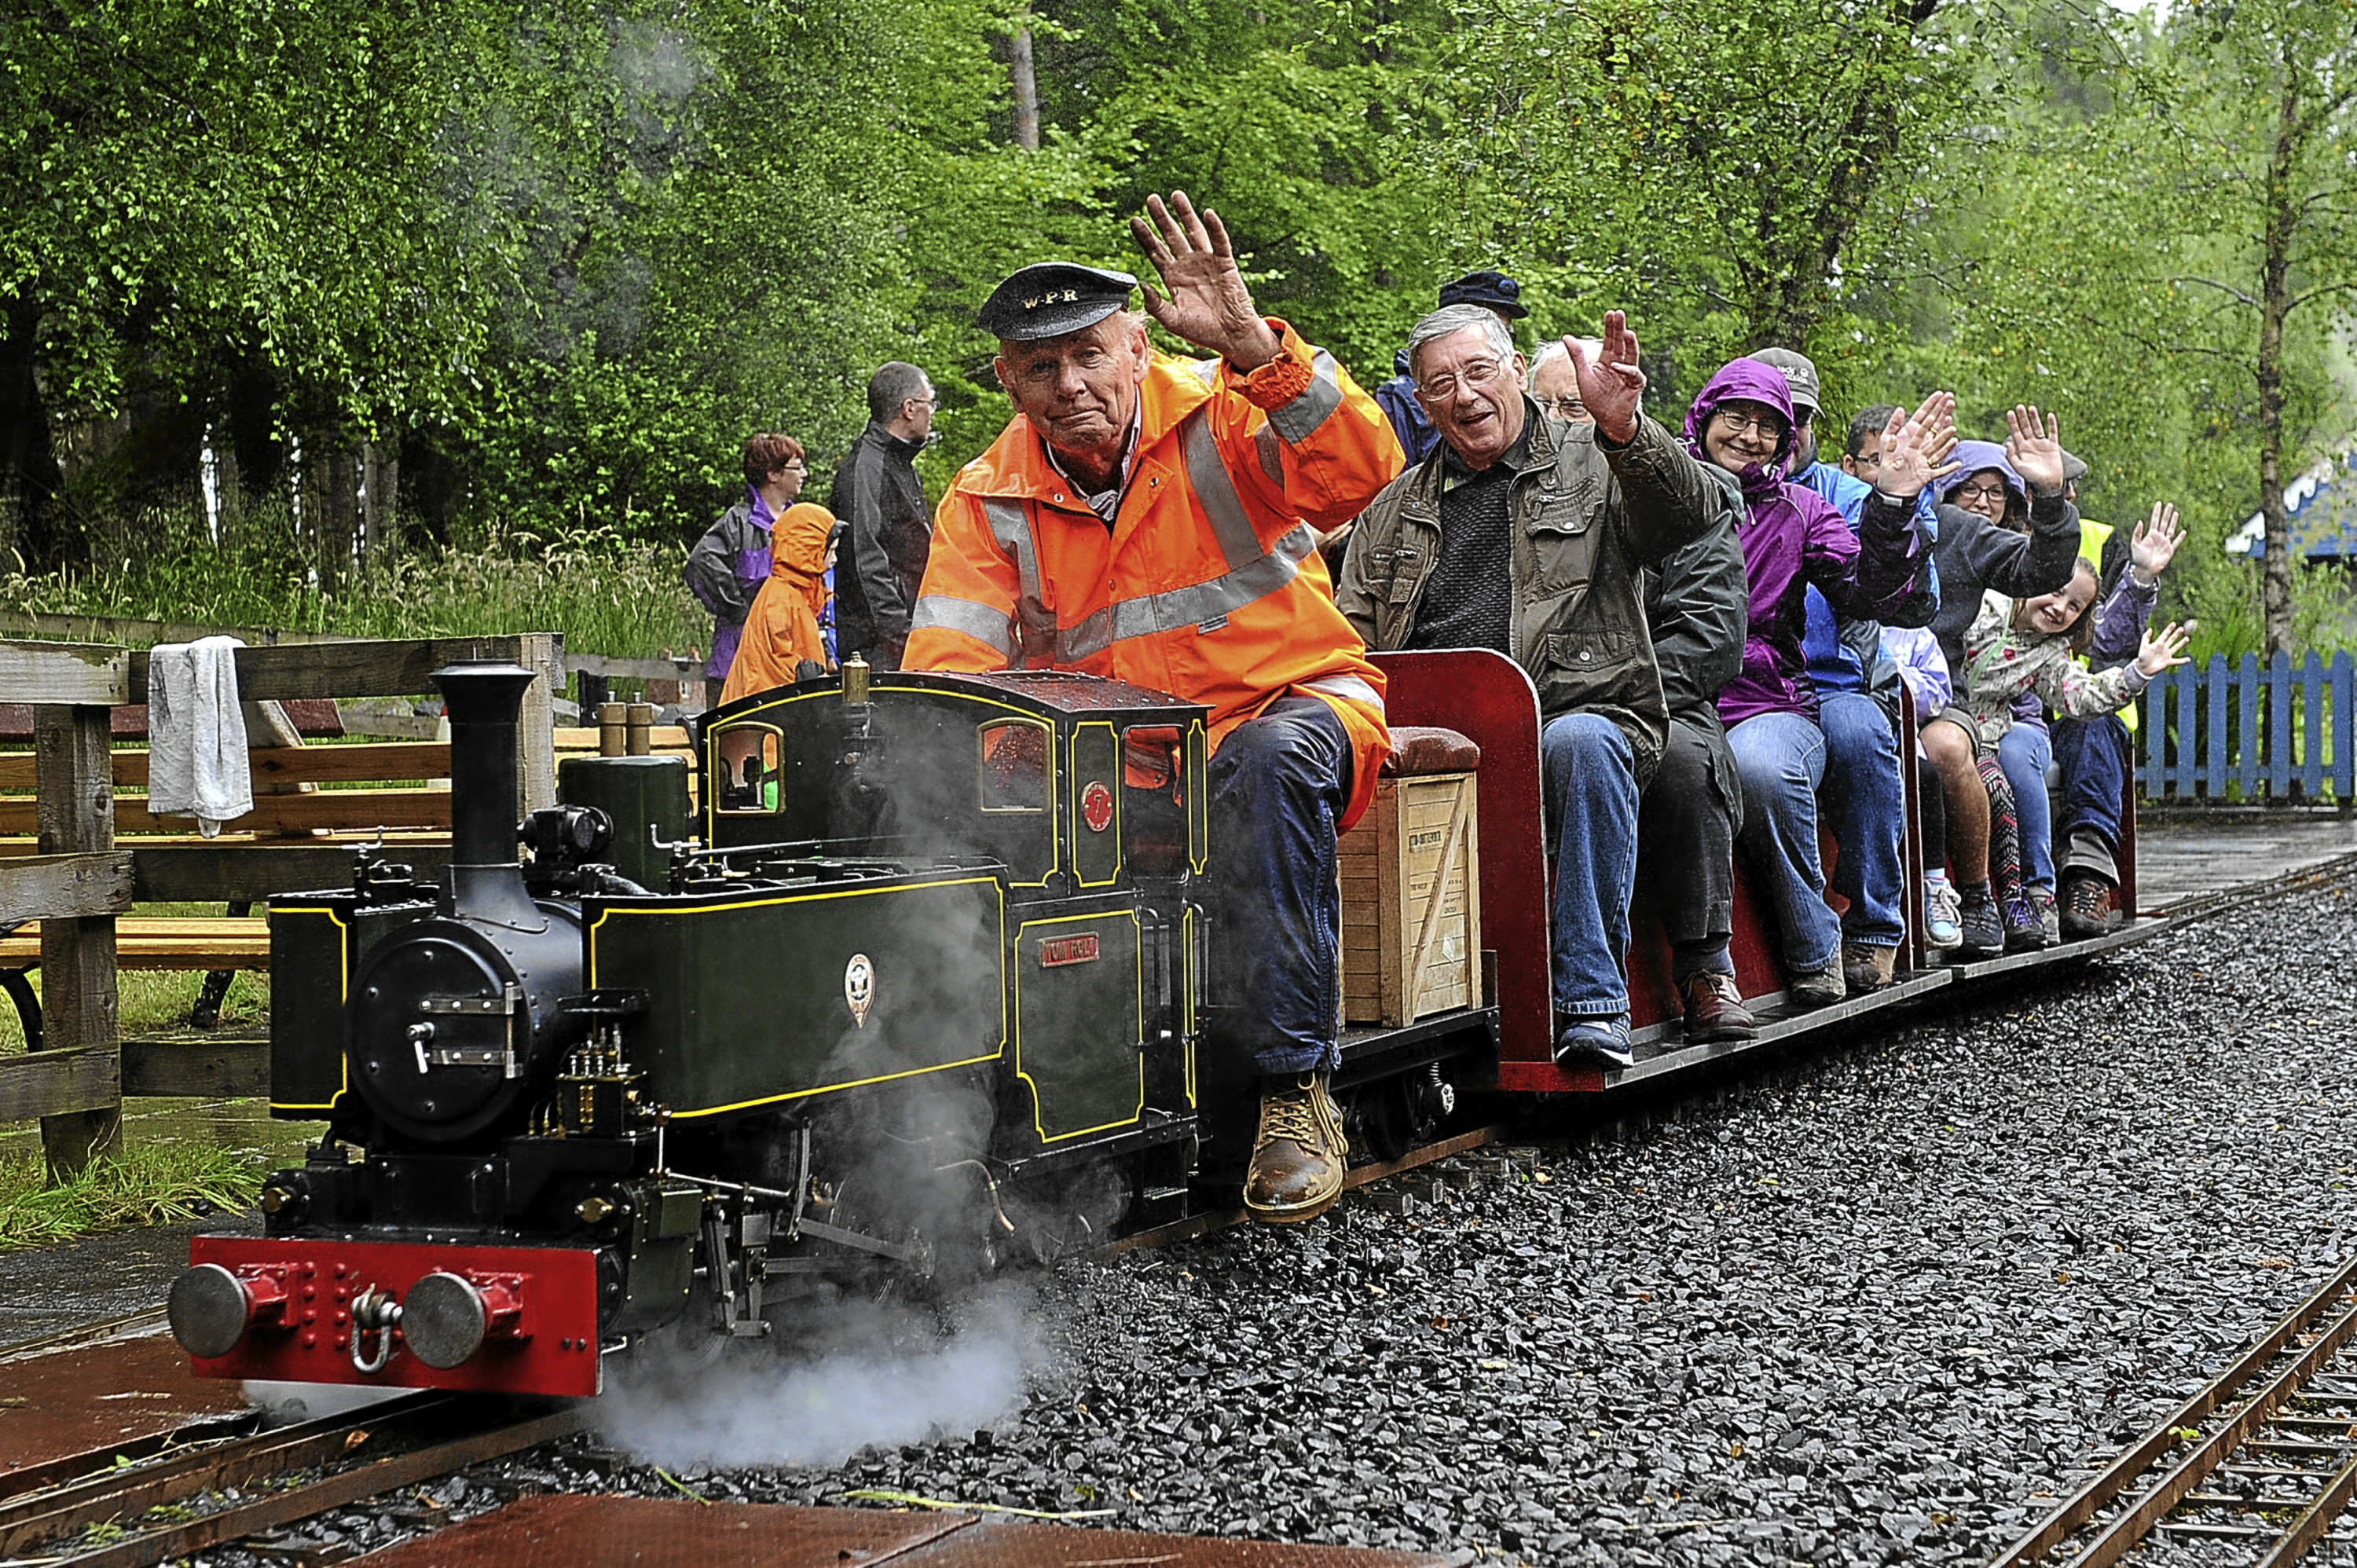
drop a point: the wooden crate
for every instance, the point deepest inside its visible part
(1411, 902)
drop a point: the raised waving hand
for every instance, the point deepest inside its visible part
(2154, 544)
(2034, 446)
(1915, 447)
(1611, 385)
(1208, 304)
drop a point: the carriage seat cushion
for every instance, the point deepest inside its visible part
(1420, 748)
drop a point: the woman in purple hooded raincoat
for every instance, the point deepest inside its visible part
(1794, 539)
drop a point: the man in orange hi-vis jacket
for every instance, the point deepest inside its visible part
(1157, 521)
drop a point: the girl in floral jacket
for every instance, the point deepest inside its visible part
(2014, 648)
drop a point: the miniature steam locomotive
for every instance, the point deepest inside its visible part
(920, 988)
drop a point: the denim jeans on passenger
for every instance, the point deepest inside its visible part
(1590, 778)
(1278, 785)
(1781, 760)
(2095, 754)
(1865, 805)
(2024, 753)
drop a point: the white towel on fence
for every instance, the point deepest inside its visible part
(196, 733)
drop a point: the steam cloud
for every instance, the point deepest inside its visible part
(857, 1375)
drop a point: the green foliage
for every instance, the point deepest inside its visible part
(149, 1182)
(606, 592)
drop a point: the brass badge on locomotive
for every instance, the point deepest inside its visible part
(859, 987)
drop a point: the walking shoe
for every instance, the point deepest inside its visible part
(1818, 987)
(2090, 905)
(1715, 1010)
(1980, 926)
(2049, 919)
(1867, 969)
(2024, 933)
(1594, 1042)
(1939, 915)
(1296, 1161)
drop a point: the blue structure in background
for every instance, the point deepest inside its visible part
(2320, 512)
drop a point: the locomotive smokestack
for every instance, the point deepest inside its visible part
(486, 879)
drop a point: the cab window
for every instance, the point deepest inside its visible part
(747, 759)
(1014, 765)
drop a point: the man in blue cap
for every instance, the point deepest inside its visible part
(1494, 292)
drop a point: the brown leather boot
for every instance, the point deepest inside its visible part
(1297, 1159)
(1715, 1010)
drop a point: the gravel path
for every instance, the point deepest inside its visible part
(1871, 1306)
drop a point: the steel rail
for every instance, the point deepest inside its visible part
(148, 1547)
(2113, 1480)
(96, 1490)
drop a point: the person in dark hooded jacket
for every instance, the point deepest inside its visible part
(888, 528)
(1977, 552)
(1793, 540)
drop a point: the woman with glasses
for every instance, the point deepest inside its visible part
(2005, 526)
(731, 562)
(1794, 540)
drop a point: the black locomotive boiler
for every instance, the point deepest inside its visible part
(918, 987)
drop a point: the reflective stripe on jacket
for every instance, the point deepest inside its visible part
(1208, 584)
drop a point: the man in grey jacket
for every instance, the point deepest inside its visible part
(1531, 538)
(887, 525)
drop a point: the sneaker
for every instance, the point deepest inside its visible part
(1941, 928)
(2090, 905)
(1298, 1156)
(1981, 929)
(2050, 918)
(1594, 1042)
(1818, 987)
(1715, 1010)
(1867, 969)
(2024, 932)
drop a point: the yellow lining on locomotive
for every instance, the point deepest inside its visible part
(1017, 990)
(343, 999)
(1120, 782)
(1055, 840)
(713, 908)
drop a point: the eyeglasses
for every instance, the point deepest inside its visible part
(1565, 407)
(1479, 376)
(1735, 421)
(1977, 493)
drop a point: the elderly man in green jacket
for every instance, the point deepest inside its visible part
(1530, 539)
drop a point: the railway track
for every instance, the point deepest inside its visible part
(2258, 1466)
(202, 1484)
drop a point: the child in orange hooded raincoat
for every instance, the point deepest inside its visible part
(781, 630)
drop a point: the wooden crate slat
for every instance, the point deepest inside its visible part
(1411, 934)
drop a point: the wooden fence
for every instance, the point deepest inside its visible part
(2249, 731)
(74, 878)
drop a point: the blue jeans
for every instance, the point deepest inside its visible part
(2095, 754)
(1780, 758)
(1278, 785)
(1866, 796)
(1590, 778)
(2024, 753)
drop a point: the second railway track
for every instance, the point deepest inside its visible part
(2260, 1465)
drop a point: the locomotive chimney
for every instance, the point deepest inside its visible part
(486, 879)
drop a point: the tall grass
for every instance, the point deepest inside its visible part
(605, 592)
(145, 1183)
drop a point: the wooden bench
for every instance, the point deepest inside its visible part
(178, 942)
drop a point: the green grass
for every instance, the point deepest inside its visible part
(606, 592)
(149, 1182)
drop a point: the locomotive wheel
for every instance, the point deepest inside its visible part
(1380, 1120)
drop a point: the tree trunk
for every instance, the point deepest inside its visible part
(2274, 304)
(1026, 89)
(29, 463)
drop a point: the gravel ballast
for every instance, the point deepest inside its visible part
(1872, 1304)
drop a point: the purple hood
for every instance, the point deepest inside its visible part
(1753, 382)
(1975, 456)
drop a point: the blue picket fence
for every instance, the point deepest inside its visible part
(2242, 732)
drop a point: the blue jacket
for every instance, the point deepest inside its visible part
(1848, 657)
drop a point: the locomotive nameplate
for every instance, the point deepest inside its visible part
(1057, 952)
